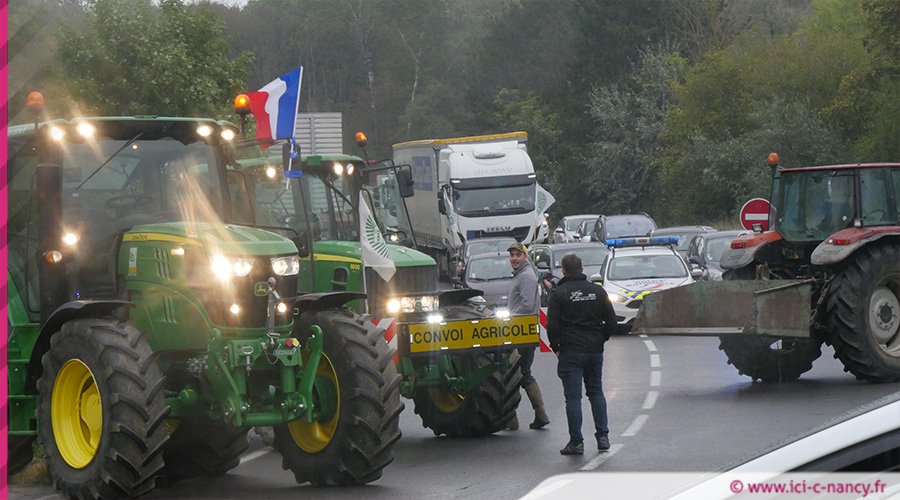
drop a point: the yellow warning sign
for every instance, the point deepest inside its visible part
(469, 334)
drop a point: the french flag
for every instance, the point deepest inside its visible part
(275, 107)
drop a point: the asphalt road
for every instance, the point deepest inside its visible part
(675, 405)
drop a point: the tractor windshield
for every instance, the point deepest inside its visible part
(812, 205)
(331, 198)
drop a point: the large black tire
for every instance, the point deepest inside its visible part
(486, 409)
(356, 443)
(21, 452)
(102, 410)
(203, 448)
(863, 307)
(768, 359)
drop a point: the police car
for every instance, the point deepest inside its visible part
(636, 267)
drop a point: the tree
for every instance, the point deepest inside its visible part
(867, 106)
(628, 117)
(133, 58)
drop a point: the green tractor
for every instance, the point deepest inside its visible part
(463, 383)
(152, 324)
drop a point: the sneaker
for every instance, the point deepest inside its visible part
(573, 449)
(602, 443)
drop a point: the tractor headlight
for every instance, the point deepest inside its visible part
(225, 267)
(286, 266)
(421, 303)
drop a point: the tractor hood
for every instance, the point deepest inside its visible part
(350, 250)
(225, 238)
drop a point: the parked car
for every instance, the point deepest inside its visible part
(684, 235)
(610, 227)
(548, 260)
(568, 226)
(583, 233)
(705, 250)
(492, 274)
(481, 245)
(636, 267)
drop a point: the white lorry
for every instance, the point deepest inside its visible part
(468, 188)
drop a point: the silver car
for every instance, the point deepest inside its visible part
(568, 226)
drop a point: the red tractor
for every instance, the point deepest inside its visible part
(827, 270)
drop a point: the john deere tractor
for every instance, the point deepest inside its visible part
(152, 325)
(458, 362)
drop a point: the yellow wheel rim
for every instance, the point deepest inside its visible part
(76, 413)
(447, 402)
(314, 436)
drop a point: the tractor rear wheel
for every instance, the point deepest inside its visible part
(102, 410)
(486, 409)
(863, 307)
(766, 358)
(357, 395)
(203, 448)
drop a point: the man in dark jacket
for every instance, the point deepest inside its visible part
(580, 320)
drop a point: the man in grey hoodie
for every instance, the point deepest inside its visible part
(524, 299)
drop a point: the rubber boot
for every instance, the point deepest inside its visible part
(514, 423)
(540, 415)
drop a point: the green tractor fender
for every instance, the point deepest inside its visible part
(63, 314)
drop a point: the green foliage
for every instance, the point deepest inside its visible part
(867, 107)
(617, 173)
(133, 58)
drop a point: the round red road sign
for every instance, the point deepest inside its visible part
(755, 211)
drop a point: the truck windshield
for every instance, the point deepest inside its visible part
(484, 202)
(812, 205)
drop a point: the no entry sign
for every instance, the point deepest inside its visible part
(755, 211)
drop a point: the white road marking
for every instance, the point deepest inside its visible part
(252, 456)
(650, 345)
(636, 425)
(602, 457)
(655, 378)
(654, 361)
(650, 400)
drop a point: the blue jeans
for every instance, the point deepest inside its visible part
(572, 368)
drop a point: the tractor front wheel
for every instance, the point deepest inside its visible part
(357, 398)
(864, 314)
(102, 410)
(486, 409)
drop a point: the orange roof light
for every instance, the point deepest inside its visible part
(773, 159)
(242, 104)
(361, 139)
(35, 102)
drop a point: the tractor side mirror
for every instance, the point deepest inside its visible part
(405, 181)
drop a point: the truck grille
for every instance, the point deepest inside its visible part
(519, 233)
(406, 280)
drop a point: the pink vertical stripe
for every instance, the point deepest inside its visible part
(4, 425)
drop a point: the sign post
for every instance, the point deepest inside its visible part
(755, 211)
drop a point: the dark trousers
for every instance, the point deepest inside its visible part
(573, 368)
(527, 355)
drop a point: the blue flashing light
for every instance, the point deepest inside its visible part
(643, 241)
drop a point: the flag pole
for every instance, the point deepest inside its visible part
(362, 262)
